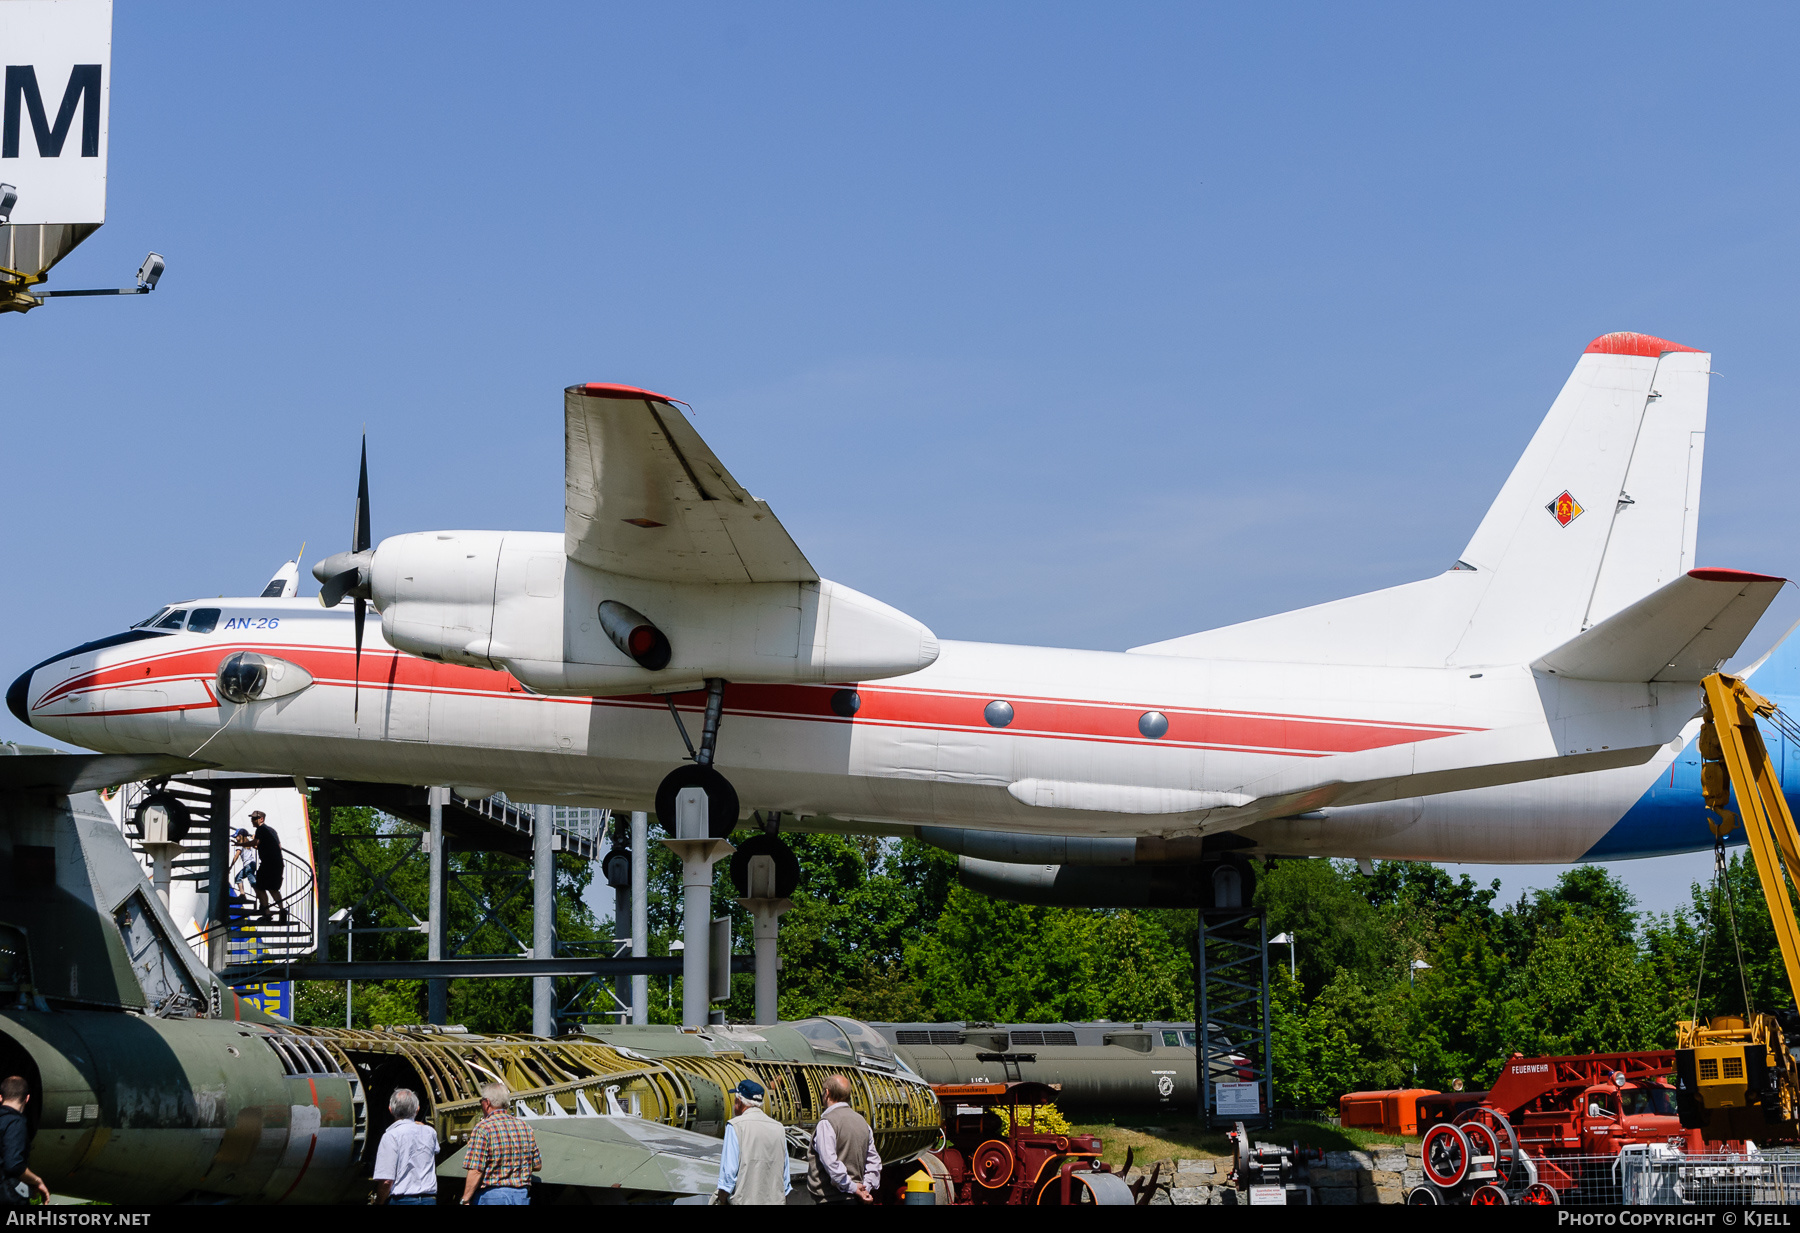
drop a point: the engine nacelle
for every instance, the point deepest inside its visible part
(513, 600)
(1226, 882)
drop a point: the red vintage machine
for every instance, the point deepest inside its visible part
(986, 1158)
(1504, 1145)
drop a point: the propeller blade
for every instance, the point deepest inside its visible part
(359, 534)
(362, 607)
(337, 586)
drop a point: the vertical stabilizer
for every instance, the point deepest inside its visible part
(1600, 509)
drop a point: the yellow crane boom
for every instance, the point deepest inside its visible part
(1735, 1075)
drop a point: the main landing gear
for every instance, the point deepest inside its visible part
(721, 797)
(764, 870)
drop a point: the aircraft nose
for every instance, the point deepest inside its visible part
(16, 695)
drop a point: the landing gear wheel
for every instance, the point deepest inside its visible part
(1446, 1156)
(1489, 1195)
(1228, 883)
(1539, 1195)
(721, 798)
(1423, 1196)
(787, 865)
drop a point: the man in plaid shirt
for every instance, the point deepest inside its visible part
(502, 1153)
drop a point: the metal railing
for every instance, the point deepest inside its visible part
(1640, 1175)
(581, 830)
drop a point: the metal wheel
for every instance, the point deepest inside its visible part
(1539, 1195)
(1423, 1196)
(991, 1164)
(1088, 1189)
(1489, 1195)
(1446, 1156)
(1484, 1151)
(1508, 1160)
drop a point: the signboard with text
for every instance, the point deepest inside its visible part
(56, 56)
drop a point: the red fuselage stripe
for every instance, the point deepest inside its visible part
(883, 705)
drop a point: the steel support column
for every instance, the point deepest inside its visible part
(543, 915)
(640, 914)
(322, 876)
(699, 852)
(437, 918)
(218, 870)
(1231, 994)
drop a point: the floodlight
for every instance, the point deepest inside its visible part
(9, 196)
(150, 271)
(339, 916)
(1419, 965)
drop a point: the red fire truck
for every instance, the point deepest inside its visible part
(1534, 1136)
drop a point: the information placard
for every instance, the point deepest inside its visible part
(1237, 1099)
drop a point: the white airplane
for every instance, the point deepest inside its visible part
(1515, 708)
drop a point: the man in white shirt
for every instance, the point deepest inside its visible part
(753, 1164)
(406, 1161)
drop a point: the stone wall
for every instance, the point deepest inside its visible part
(1383, 1175)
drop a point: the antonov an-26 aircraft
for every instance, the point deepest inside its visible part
(1526, 705)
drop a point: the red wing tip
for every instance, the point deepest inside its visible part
(600, 389)
(1628, 343)
(1731, 575)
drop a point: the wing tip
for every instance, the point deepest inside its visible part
(603, 389)
(1731, 575)
(1626, 342)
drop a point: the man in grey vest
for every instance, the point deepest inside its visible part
(753, 1164)
(844, 1166)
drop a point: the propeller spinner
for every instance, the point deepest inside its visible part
(348, 573)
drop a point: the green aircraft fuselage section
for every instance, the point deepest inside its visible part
(134, 1109)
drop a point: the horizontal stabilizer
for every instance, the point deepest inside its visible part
(1679, 632)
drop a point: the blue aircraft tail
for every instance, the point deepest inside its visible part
(1671, 816)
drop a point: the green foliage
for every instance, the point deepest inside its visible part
(367, 847)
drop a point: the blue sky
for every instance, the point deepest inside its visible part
(1064, 324)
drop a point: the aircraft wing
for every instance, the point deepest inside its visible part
(71, 773)
(647, 498)
(620, 1155)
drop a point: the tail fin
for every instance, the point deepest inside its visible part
(1600, 511)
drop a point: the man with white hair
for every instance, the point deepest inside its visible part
(406, 1162)
(753, 1164)
(502, 1153)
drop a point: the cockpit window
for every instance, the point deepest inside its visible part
(872, 1048)
(204, 621)
(824, 1036)
(173, 620)
(150, 620)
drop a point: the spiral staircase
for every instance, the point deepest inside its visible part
(250, 936)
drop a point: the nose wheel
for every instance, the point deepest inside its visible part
(721, 797)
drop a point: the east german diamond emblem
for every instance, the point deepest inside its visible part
(1565, 509)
